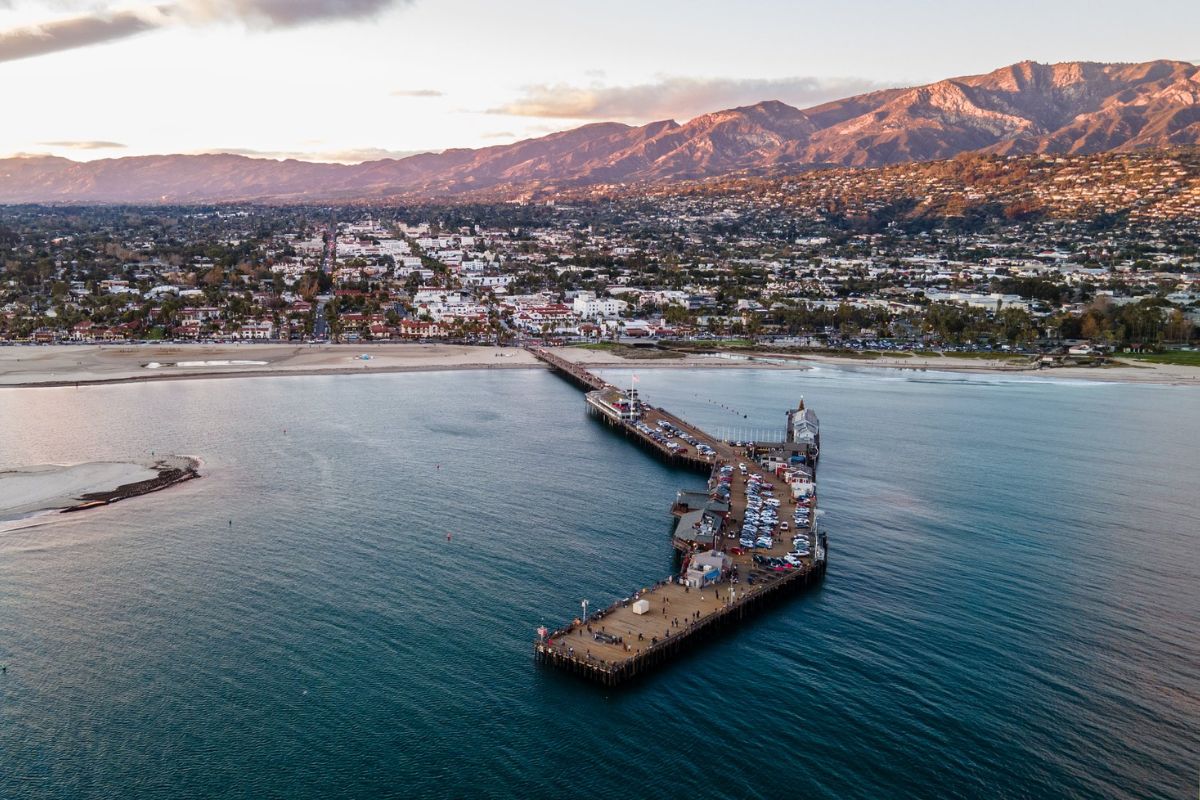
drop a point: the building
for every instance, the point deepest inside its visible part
(705, 569)
(588, 306)
(803, 426)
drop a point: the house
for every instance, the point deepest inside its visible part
(189, 329)
(201, 314)
(257, 329)
(379, 330)
(417, 329)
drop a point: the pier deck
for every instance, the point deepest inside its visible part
(615, 644)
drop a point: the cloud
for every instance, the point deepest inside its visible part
(498, 135)
(676, 97)
(85, 145)
(347, 156)
(68, 34)
(417, 93)
(100, 26)
(283, 13)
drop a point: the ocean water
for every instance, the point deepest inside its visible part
(344, 606)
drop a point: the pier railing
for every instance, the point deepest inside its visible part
(612, 673)
(568, 369)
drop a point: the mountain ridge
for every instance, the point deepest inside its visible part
(1027, 107)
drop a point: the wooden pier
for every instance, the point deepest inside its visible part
(655, 623)
(573, 372)
(599, 405)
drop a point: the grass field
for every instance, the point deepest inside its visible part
(626, 351)
(1185, 358)
(713, 344)
(990, 356)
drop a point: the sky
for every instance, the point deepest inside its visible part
(351, 80)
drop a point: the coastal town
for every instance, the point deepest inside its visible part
(735, 263)
(435, 399)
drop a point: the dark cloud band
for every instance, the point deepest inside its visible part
(69, 34)
(101, 27)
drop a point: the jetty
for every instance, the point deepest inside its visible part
(748, 541)
(171, 470)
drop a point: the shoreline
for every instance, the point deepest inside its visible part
(390, 370)
(99, 365)
(169, 474)
(34, 491)
(1123, 372)
(261, 373)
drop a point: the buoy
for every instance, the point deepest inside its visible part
(448, 537)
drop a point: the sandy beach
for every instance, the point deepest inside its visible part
(29, 490)
(1123, 372)
(68, 365)
(1120, 372)
(87, 364)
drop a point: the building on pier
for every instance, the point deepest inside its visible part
(706, 569)
(700, 527)
(803, 427)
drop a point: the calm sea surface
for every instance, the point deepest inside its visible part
(1012, 607)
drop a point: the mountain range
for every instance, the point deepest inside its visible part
(1068, 108)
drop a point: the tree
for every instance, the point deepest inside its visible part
(1015, 325)
(676, 314)
(1179, 327)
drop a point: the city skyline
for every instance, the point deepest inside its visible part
(353, 81)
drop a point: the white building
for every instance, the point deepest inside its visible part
(588, 306)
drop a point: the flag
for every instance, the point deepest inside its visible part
(635, 377)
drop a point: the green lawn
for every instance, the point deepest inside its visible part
(990, 356)
(1187, 358)
(864, 355)
(626, 351)
(714, 344)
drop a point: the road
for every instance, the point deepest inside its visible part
(328, 262)
(320, 324)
